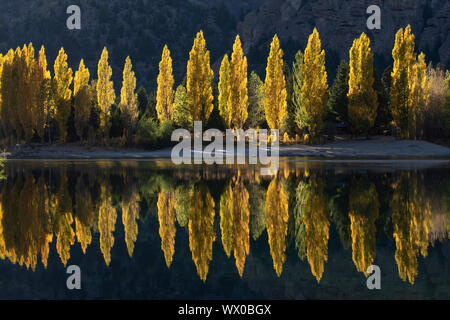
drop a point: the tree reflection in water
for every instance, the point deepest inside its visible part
(73, 204)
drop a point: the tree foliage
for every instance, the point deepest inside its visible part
(275, 94)
(199, 81)
(362, 98)
(315, 86)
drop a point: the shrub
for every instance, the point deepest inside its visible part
(151, 134)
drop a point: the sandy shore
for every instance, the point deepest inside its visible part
(384, 148)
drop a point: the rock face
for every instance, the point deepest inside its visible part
(140, 29)
(340, 22)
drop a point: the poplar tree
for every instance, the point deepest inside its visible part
(238, 99)
(129, 101)
(105, 93)
(419, 96)
(27, 91)
(315, 86)
(82, 99)
(199, 81)
(224, 91)
(42, 109)
(362, 98)
(8, 97)
(165, 92)
(275, 94)
(62, 93)
(404, 59)
(409, 85)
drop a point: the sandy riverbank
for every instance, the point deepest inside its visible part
(382, 148)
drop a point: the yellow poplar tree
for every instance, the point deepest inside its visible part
(107, 217)
(9, 115)
(224, 91)
(275, 93)
(167, 228)
(62, 93)
(82, 99)
(419, 96)
(277, 215)
(404, 60)
(199, 81)
(130, 214)
(315, 86)
(362, 98)
(105, 92)
(165, 92)
(201, 229)
(238, 98)
(42, 109)
(26, 90)
(129, 101)
(363, 213)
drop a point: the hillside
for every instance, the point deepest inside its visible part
(141, 28)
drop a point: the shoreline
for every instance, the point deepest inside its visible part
(376, 149)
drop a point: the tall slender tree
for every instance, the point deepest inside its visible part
(224, 91)
(199, 81)
(129, 101)
(337, 103)
(275, 94)
(297, 84)
(165, 92)
(62, 93)
(363, 103)
(404, 60)
(315, 86)
(43, 105)
(105, 93)
(82, 99)
(238, 98)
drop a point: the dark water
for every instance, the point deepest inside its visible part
(149, 230)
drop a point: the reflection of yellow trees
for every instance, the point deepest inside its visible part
(363, 206)
(24, 222)
(65, 236)
(130, 214)
(84, 210)
(257, 200)
(276, 222)
(314, 227)
(167, 229)
(106, 223)
(183, 196)
(234, 222)
(226, 219)
(411, 218)
(201, 229)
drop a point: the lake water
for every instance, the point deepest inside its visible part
(150, 230)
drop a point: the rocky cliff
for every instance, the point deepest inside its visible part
(339, 22)
(140, 28)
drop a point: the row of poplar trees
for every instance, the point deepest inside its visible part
(30, 99)
(309, 92)
(308, 99)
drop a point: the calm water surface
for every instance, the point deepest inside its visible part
(149, 230)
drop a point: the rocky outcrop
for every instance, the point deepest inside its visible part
(340, 22)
